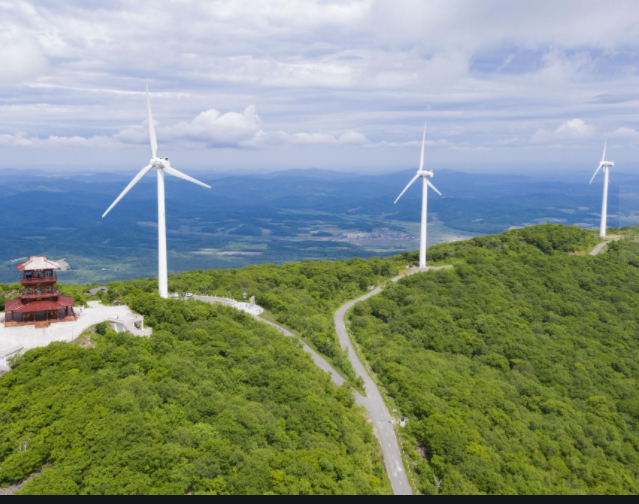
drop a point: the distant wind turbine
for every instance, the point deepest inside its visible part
(163, 166)
(606, 165)
(425, 175)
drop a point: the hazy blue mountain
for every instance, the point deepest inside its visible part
(274, 217)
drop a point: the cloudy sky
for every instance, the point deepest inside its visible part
(337, 84)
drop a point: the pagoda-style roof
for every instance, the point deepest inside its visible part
(38, 263)
(17, 306)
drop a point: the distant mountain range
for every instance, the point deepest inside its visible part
(275, 217)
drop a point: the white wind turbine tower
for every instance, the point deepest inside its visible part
(606, 165)
(163, 166)
(425, 175)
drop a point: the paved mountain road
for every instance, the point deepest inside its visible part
(599, 248)
(374, 402)
(602, 246)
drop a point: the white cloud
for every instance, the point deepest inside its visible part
(21, 58)
(625, 134)
(575, 129)
(475, 26)
(558, 68)
(19, 140)
(55, 142)
(416, 144)
(319, 71)
(210, 128)
(348, 138)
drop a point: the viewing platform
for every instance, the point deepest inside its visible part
(39, 294)
(30, 335)
(40, 303)
(26, 279)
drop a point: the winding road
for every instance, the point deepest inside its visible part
(602, 246)
(599, 248)
(373, 402)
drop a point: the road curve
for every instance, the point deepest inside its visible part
(599, 248)
(374, 402)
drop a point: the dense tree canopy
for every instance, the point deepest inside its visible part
(214, 402)
(303, 296)
(519, 368)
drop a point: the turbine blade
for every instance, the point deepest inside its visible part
(137, 178)
(593, 177)
(410, 184)
(605, 149)
(430, 184)
(154, 141)
(421, 163)
(179, 174)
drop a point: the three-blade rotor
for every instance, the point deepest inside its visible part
(420, 172)
(160, 164)
(602, 164)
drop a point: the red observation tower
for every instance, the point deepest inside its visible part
(40, 302)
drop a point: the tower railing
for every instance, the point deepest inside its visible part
(39, 293)
(35, 279)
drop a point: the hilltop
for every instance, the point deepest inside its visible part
(516, 370)
(212, 403)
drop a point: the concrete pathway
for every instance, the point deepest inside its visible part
(374, 402)
(599, 248)
(252, 310)
(29, 337)
(602, 246)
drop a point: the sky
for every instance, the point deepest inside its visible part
(267, 85)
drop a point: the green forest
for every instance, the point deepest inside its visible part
(518, 369)
(302, 296)
(213, 403)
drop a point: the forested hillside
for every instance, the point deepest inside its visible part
(518, 369)
(214, 402)
(302, 296)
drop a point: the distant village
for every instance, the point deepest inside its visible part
(379, 235)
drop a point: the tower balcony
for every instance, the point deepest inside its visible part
(39, 293)
(38, 279)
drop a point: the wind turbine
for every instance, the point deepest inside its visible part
(163, 166)
(425, 175)
(606, 165)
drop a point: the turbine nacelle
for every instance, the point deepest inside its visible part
(426, 174)
(161, 163)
